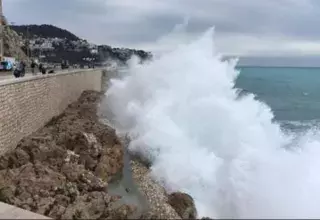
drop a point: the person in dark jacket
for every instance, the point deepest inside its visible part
(33, 66)
(42, 69)
(23, 71)
(20, 69)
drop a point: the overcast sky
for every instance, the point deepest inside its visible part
(243, 27)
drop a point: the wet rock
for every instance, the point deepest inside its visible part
(30, 181)
(110, 163)
(83, 147)
(20, 158)
(84, 143)
(44, 205)
(93, 182)
(7, 194)
(102, 168)
(153, 199)
(97, 204)
(72, 171)
(89, 162)
(62, 200)
(72, 157)
(4, 160)
(183, 204)
(62, 170)
(56, 211)
(92, 205)
(7, 188)
(116, 210)
(38, 151)
(77, 210)
(70, 190)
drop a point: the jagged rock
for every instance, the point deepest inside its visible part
(57, 211)
(54, 174)
(72, 157)
(112, 161)
(102, 168)
(77, 210)
(123, 212)
(62, 200)
(7, 194)
(183, 204)
(44, 204)
(72, 171)
(153, 203)
(64, 171)
(93, 182)
(89, 206)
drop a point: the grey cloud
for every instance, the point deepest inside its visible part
(270, 17)
(139, 22)
(305, 61)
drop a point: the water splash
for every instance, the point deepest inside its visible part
(184, 115)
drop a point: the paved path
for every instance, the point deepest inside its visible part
(5, 75)
(9, 75)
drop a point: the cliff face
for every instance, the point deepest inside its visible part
(13, 45)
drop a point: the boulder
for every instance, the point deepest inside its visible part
(183, 204)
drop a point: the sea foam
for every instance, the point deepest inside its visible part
(184, 114)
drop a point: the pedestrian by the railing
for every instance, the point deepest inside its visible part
(42, 69)
(20, 69)
(33, 66)
(23, 72)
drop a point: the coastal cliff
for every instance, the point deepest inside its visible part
(73, 168)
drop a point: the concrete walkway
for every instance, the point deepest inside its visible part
(9, 75)
(12, 212)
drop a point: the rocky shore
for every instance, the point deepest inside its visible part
(73, 167)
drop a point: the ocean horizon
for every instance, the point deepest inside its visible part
(293, 93)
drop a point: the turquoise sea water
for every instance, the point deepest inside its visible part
(292, 93)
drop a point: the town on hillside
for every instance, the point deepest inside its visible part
(47, 47)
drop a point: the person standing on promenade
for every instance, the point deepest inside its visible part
(23, 68)
(42, 69)
(19, 71)
(33, 66)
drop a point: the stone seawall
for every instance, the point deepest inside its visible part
(26, 104)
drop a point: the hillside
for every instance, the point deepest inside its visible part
(13, 44)
(43, 31)
(52, 44)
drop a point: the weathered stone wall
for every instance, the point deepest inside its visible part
(26, 104)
